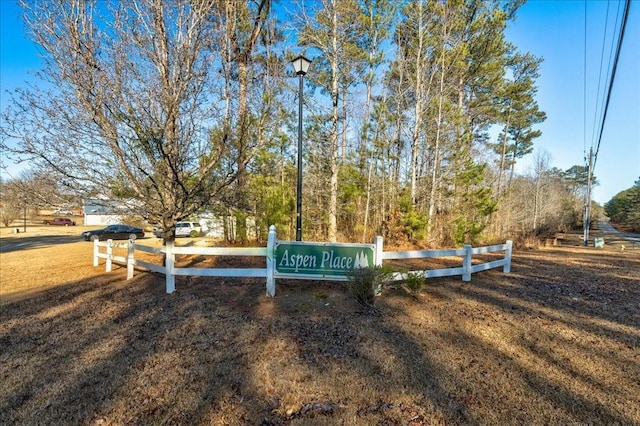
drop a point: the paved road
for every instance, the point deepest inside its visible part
(37, 241)
(608, 229)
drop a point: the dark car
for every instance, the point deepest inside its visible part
(62, 221)
(114, 232)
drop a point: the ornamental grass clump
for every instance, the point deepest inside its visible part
(366, 283)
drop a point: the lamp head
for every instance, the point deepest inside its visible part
(301, 65)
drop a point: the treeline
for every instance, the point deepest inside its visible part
(415, 116)
(624, 208)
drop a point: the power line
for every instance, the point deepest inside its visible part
(593, 157)
(596, 110)
(613, 76)
(584, 88)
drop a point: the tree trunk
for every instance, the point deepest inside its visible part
(418, 108)
(333, 181)
(436, 150)
(503, 154)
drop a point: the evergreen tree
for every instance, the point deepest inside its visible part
(624, 207)
(520, 115)
(334, 31)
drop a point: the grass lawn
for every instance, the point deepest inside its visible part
(556, 341)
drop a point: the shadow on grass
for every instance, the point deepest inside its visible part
(116, 349)
(520, 348)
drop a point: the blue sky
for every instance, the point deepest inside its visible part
(551, 29)
(555, 30)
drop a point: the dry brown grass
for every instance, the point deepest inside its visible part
(554, 342)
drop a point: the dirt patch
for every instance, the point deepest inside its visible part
(554, 342)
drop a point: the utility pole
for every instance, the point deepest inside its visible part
(587, 202)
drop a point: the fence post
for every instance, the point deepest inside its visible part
(109, 255)
(466, 263)
(130, 259)
(271, 262)
(507, 256)
(377, 253)
(169, 266)
(96, 250)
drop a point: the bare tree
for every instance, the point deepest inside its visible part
(540, 169)
(133, 110)
(29, 192)
(11, 201)
(238, 26)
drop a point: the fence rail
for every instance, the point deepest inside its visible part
(170, 270)
(466, 253)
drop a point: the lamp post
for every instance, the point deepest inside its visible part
(301, 66)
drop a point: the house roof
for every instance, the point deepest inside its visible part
(100, 207)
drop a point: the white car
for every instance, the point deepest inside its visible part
(188, 229)
(61, 211)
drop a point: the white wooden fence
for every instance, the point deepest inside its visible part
(466, 252)
(269, 272)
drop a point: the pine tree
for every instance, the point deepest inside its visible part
(624, 207)
(334, 31)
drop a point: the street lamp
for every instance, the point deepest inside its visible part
(301, 66)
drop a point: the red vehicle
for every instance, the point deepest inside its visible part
(63, 221)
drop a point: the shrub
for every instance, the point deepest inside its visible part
(415, 281)
(366, 283)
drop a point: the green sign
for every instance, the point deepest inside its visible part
(322, 259)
